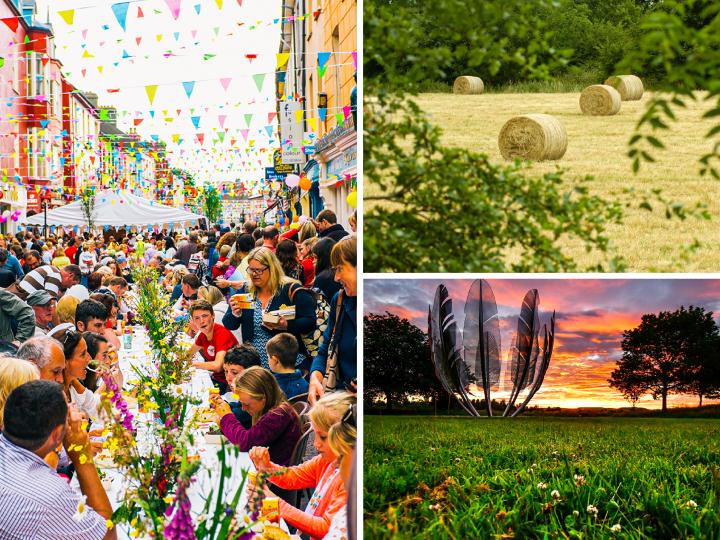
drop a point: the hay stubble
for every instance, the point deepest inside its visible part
(598, 147)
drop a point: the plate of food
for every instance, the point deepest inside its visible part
(105, 460)
(205, 414)
(286, 312)
(214, 435)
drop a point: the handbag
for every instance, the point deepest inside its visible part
(313, 339)
(331, 367)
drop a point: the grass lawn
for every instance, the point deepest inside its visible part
(597, 146)
(495, 478)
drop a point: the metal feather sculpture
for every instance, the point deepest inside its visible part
(481, 338)
(548, 344)
(449, 366)
(479, 358)
(527, 331)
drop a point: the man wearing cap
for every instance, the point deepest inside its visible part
(44, 307)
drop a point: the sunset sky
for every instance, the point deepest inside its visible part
(591, 316)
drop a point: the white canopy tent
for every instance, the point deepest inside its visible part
(115, 209)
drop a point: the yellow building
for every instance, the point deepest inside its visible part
(326, 29)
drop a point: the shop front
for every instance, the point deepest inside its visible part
(337, 152)
(13, 202)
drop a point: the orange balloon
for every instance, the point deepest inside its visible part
(305, 183)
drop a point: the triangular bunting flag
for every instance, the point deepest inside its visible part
(322, 58)
(248, 119)
(244, 133)
(137, 121)
(282, 60)
(354, 57)
(225, 82)
(120, 10)
(271, 117)
(68, 15)
(312, 122)
(174, 6)
(299, 115)
(201, 138)
(322, 112)
(189, 85)
(221, 120)
(140, 13)
(259, 80)
(197, 8)
(12, 23)
(195, 121)
(219, 3)
(150, 90)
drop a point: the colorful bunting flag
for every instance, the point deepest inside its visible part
(174, 6)
(189, 86)
(120, 10)
(282, 60)
(322, 59)
(150, 90)
(259, 80)
(68, 15)
(225, 82)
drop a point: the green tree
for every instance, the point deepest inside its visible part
(396, 359)
(87, 203)
(680, 46)
(447, 209)
(665, 354)
(212, 206)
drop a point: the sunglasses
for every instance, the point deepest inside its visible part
(256, 271)
(349, 416)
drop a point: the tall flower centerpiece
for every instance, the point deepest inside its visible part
(151, 448)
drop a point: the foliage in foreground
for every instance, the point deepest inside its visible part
(451, 210)
(464, 478)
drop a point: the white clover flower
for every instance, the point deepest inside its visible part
(592, 510)
(555, 453)
(616, 528)
(555, 494)
(579, 480)
(576, 513)
(691, 504)
(434, 507)
(82, 509)
(542, 485)
(533, 465)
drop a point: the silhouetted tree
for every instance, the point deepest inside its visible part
(665, 354)
(396, 358)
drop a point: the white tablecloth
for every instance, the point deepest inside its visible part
(208, 476)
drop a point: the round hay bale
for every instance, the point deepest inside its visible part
(536, 137)
(629, 86)
(468, 85)
(600, 100)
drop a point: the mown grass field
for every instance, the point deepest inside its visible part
(479, 478)
(597, 146)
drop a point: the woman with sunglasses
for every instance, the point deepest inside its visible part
(77, 360)
(270, 289)
(321, 472)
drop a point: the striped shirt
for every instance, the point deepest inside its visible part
(36, 504)
(43, 277)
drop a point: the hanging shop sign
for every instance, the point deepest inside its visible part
(347, 160)
(291, 131)
(279, 166)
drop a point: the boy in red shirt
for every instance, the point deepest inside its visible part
(213, 341)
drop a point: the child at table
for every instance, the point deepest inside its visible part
(275, 423)
(282, 350)
(321, 472)
(213, 340)
(237, 360)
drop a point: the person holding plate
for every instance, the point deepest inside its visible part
(268, 291)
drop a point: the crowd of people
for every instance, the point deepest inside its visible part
(273, 317)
